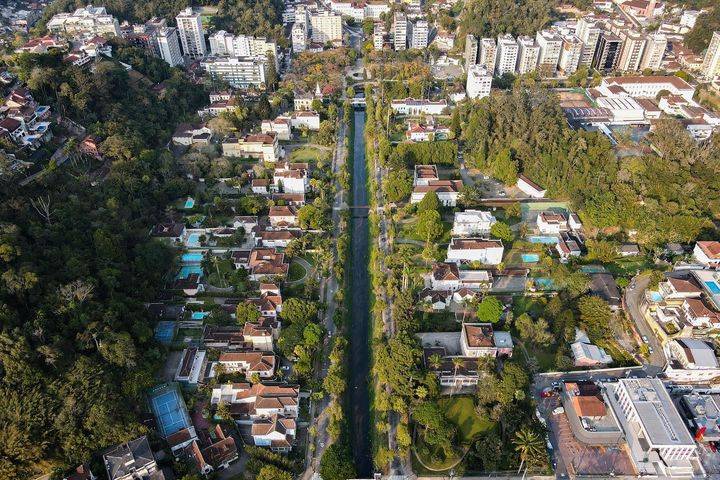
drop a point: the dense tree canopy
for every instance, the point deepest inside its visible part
(490, 18)
(699, 37)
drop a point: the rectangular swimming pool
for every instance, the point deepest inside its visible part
(545, 239)
(199, 315)
(656, 297)
(193, 257)
(713, 287)
(530, 257)
(193, 240)
(187, 270)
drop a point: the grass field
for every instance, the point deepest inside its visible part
(461, 411)
(219, 274)
(296, 272)
(308, 154)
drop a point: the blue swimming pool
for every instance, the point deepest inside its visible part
(193, 257)
(713, 287)
(187, 270)
(656, 297)
(546, 239)
(189, 203)
(199, 315)
(193, 240)
(544, 283)
(530, 257)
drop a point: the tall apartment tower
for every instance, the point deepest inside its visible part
(400, 31)
(420, 33)
(570, 55)
(607, 54)
(507, 53)
(379, 36)
(588, 31)
(169, 46)
(190, 30)
(632, 51)
(326, 27)
(479, 82)
(487, 54)
(299, 37)
(528, 54)
(655, 46)
(550, 44)
(711, 62)
(471, 51)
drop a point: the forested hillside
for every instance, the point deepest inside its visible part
(668, 198)
(76, 345)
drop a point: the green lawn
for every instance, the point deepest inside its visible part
(461, 411)
(307, 154)
(296, 272)
(437, 321)
(219, 273)
(408, 230)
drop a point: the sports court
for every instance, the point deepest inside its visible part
(164, 332)
(169, 409)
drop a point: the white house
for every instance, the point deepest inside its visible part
(472, 222)
(448, 191)
(283, 216)
(438, 299)
(447, 276)
(291, 180)
(475, 249)
(479, 340)
(305, 118)
(280, 126)
(412, 106)
(424, 174)
(552, 223)
(249, 363)
(649, 86)
(191, 366)
(707, 253)
(694, 360)
(530, 188)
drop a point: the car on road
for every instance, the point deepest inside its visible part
(558, 411)
(650, 349)
(645, 339)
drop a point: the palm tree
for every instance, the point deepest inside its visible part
(457, 363)
(528, 444)
(435, 361)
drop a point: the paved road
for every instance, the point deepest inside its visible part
(633, 298)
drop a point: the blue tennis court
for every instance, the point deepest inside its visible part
(164, 332)
(170, 412)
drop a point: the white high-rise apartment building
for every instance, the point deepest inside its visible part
(570, 55)
(479, 82)
(550, 47)
(169, 46)
(238, 72)
(528, 54)
(89, 21)
(298, 35)
(632, 51)
(302, 15)
(507, 53)
(711, 63)
(224, 44)
(655, 46)
(471, 51)
(326, 27)
(400, 28)
(487, 54)
(588, 31)
(379, 36)
(420, 32)
(192, 36)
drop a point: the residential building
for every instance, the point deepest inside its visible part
(507, 53)
(550, 44)
(530, 188)
(249, 363)
(192, 35)
(475, 249)
(607, 54)
(189, 134)
(266, 262)
(400, 31)
(375, 8)
(305, 119)
(570, 54)
(42, 45)
(655, 46)
(585, 354)
(702, 410)
(174, 232)
(444, 41)
(632, 51)
(479, 340)
(419, 34)
(424, 174)
(299, 36)
(588, 31)
(168, 46)
(276, 432)
(552, 223)
(379, 34)
(707, 253)
(132, 460)
(81, 472)
(448, 277)
(658, 440)
(281, 127)
(711, 62)
(649, 86)
(448, 191)
(471, 51)
(326, 27)
(426, 132)
(487, 53)
(479, 82)
(689, 17)
(88, 21)
(217, 454)
(288, 179)
(691, 360)
(282, 216)
(348, 8)
(472, 222)
(568, 245)
(449, 373)
(412, 106)
(603, 285)
(225, 44)
(191, 367)
(239, 72)
(528, 54)
(262, 146)
(256, 336)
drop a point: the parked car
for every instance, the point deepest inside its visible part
(645, 339)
